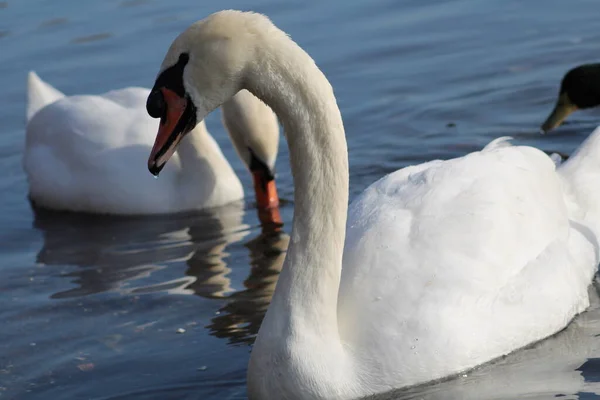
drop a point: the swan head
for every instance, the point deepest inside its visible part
(204, 67)
(579, 89)
(254, 131)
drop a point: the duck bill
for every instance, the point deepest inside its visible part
(564, 107)
(178, 119)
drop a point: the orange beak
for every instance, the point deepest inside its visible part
(265, 190)
(170, 131)
(270, 219)
(267, 201)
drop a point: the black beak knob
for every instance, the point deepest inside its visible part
(155, 105)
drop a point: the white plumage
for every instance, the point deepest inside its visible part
(87, 153)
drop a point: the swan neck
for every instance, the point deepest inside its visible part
(199, 146)
(204, 168)
(306, 294)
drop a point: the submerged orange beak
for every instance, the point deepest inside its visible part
(177, 119)
(265, 190)
(267, 200)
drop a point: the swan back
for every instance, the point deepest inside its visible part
(434, 250)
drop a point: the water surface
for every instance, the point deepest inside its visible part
(91, 306)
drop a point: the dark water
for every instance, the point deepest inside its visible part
(90, 307)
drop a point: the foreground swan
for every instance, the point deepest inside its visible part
(83, 153)
(446, 265)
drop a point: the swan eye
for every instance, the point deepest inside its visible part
(155, 105)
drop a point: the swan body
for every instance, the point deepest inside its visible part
(82, 153)
(490, 262)
(433, 270)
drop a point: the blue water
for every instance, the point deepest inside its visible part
(90, 307)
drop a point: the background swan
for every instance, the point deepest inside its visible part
(83, 153)
(446, 265)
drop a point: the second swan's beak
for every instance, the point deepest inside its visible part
(265, 190)
(177, 117)
(564, 107)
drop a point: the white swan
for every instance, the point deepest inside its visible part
(446, 265)
(82, 153)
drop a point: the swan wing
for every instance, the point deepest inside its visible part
(451, 264)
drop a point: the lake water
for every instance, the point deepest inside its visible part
(90, 307)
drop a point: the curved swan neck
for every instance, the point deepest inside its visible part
(287, 80)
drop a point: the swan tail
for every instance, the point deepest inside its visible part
(556, 159)
(498, 143)
(39, 94)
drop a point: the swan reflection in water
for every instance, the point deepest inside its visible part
(240, 319)
(120, 254)
(207, 276)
